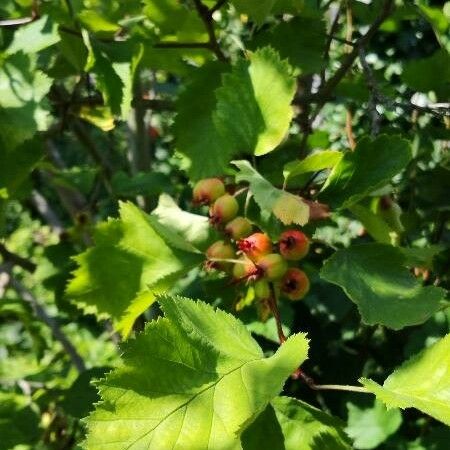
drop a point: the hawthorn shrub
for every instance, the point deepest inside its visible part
(224, 224)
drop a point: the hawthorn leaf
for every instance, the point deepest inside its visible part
(369, 167)
(302, 41)
(291, 424)
(219, 382)
(312, 163)
(369, 427)
(254, 103)
(422, 382)
(375, 277)
(34, 37)
(19, 421)
(184, 230)
(129, 264)
(198, 142)
(288, 208)
(114, 65)
(258, 10)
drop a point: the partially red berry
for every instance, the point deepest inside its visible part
(224, 209)
(294, 245)
(256, 245)
(262, 289)
(273, 266)
(219, 250)
(295, 284)
(208, 190)
(238, 228)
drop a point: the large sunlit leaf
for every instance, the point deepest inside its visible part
(370, 166)
(287, 207)
(254, 103)
(130, 263)
(375, 277)
(219, 382)
(423, 382)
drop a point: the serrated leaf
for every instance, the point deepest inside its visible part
(34, 37)
(290, 424)
(369, 427)
(374, 277)
(369, 167)
(114, 65)
(423, 382)
(254, 103)
(302, 41)
(184, 230)
(130, 263)
(204, 151)
(19, 423)
(312, 163)
(219, 382)
(288, 208)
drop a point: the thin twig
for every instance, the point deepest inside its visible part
(273, 306)
(23, 20)
(327, 89)
(17, 260)
(206, 16)
(51, 322)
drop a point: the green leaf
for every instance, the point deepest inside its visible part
(34, 37)
(199, 143)
(369, 427)
(290, 424)
(374, 277)
(23, 107)
(142, 183)
(374, 224)
(286, 207)
(369, 167)
(130, 263)
(115, 65)
(100, 116)
(219, 382)
(302, 41)
(254, 103)
(97, 23)
(258, 10)
(429, 74)
(312, 163)
(184, 230)
(422, 382)
(19, 423)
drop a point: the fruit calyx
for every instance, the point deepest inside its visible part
(294, 245)
(272, 266)
(238, 228)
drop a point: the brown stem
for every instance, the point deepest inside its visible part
(272, 303)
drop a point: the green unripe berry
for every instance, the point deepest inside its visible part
(224, 209)
(244, 270)
(273, 266)
(238, 228)
(219, 250)
(262, 289)
(207, 191)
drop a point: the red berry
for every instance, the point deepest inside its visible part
(208, 190)
(256, 245)
(245, 270)
(272, 266)
(295, 284)
(153, 132)
(224, 209)
(219, 250)
(262, 289)
(294, 245)
(238, 228)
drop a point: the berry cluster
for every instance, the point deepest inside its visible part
(251, 256)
